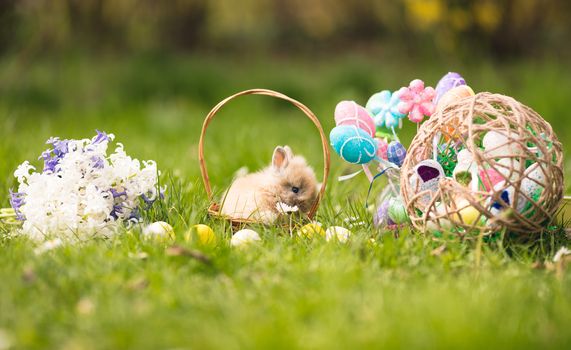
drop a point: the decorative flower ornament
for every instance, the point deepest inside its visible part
(416, 101)
(383, 107)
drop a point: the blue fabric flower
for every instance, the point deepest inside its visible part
(383, 108)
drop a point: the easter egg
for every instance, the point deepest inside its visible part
(350, 113)
(490, 178)
(397, 211)
(447, 82)
(203, 232)
(159, 230)
(337, 232)
(426, 177)
(382, 147)
(310, 230)
(465, 173)
(396, 153)
(453, 95)
(382, 213)
(507, 195)
(505, 164)
(533, 182)
(498, 144)
(466, 213)
(465, 156)
(437, 220)
(244, 237)
(354, 145)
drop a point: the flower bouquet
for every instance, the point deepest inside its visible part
(82, 191)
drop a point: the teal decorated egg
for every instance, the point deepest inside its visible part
(353, 144)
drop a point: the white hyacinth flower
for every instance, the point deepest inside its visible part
(82, 191)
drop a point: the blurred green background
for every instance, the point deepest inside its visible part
(149, 71)
(435, 28)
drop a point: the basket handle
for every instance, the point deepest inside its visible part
(302, 107)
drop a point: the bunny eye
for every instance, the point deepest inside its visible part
(295, 189)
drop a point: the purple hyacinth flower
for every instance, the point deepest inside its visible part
(50, 164)
(98, 162)
(117, 209)
(101, 137)
(60, 148)
(52, 140)
(149, 202)
(135, 214)
(17, 201)
(116, 193)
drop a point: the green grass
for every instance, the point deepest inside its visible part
(285, 293)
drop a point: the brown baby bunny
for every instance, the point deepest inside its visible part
(261, 195)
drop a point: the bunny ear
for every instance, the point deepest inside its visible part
(280, 159)
(289, 151)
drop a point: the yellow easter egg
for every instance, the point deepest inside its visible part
(204, 233)
(466, 214)
(310, 230)
(338, 233)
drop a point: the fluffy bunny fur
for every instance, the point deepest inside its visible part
(256, 195)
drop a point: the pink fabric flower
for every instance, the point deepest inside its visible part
(416, 101)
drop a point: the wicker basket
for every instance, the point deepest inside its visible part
(214, 208)
(527, 142)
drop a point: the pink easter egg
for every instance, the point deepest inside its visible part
(382, 147)
(490, 178)
(350, 113)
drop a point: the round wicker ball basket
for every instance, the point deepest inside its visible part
(510, 179)
(214, 208)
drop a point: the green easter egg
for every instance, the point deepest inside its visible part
(397, 211)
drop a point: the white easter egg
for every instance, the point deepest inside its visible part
(464, 156)
(504, 166)
(509, 192)
(535, 172)
(534, 181)
(159, 230)
(437, 225)
(337, 232)
(244, 237)
(499, 144)
(425, 178)
(464, 173)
